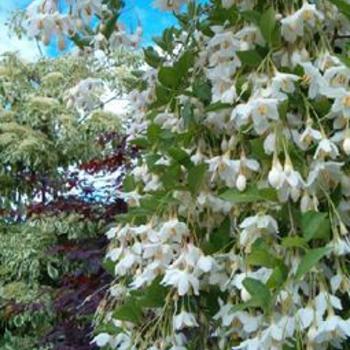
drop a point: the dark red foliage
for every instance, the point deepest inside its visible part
(93, 211)
(79, 295)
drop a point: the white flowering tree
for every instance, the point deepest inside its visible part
(86, 23)
(237, 232)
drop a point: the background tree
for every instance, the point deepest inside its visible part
(55, 140)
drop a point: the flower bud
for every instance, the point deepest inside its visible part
(275, 177)
(305, 203)
(245, 295)
(241, 182)
(224, 145)
(295, 193)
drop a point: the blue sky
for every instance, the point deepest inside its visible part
(153, 22)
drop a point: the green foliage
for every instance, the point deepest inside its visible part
(310, 259)
(23, 252)
(250, 195)
(315, 225)
(260, 293)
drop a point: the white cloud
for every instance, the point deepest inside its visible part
(26, 48)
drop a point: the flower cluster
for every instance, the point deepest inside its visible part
(75, 19)
(237, 231)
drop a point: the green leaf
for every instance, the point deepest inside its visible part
(163, 96)
(278, 277)
(310, 259)
(184, 63)
(129, 183)
(343, 6)
(250, 195)
(251, 16)
(209, 303)
(187, 114)
(322, 106)
(151, 57)
(262, 257)
(195, 177)
(294, 242)
(130, 311)
(217, 106)
(172, 77)
(109, 266)
(344, 59)
(220, 239)
(257, 148)
(251, 58)
(259, 292)
(169, 77)
(267, 24)
(154, 295)
(315, 225)
(141, 142)
(202, 90)
(166, 41)
(171, 176)
(180, 156)
(220, 15)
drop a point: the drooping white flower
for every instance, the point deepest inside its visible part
(332, 329)
(260, 110)
(339, 246)
(214, 203)
(237, 319)
(249, 36)
(310, 14)
(309, 135)
(341, 105)
(305, 316)
(271, 337)
(337, 77)
(224, 167)
(324, 301)
(102, 339)
(282, 84)
(184, 320)
(254, 227)
(313, 79)
(320, 170)
(263, 109)
(326, 148)
(221, 77)
(182, 280)
(174, 230)
(291, 27)
(131, 198)
(168, 121)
